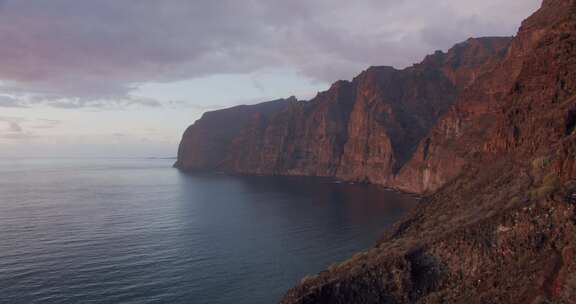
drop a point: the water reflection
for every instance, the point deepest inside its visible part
(138, 231)
(268, 232)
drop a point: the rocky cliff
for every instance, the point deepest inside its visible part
(502, 226)
(208, 141)
(360, 130)
(486, 129)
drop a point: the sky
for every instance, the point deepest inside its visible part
(124, 78)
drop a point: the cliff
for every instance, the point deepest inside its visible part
(502, 226)
(508, 107)
(208, 141)
(361, 130)
(485, 129)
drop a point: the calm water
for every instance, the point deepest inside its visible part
(138, 231)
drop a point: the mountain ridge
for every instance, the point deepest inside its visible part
(363, 130)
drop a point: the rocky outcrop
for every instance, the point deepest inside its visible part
(361, 130)
(502, 226)
(208, 141)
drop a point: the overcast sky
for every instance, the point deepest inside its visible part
(125, 77)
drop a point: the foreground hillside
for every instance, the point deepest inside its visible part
(504, 230)
(486, 129)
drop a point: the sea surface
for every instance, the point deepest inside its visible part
(138, 231)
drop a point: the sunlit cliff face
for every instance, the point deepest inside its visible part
(126, 77)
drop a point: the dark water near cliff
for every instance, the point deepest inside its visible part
(138, 231)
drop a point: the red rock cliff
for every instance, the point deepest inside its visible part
(514, 105)
(206, 143)
(360, 130)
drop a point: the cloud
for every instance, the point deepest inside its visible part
(13, 130)
(14, 127)
(195, 106)
(45, 123)
(11, 102)
(141, 101)
(17, 127)
(75, 102)
(77, 53)
(9, 119)
(17, 136)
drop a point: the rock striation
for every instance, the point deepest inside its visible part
(207, 143)
(364, 130)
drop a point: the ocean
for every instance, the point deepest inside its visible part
(139, 231)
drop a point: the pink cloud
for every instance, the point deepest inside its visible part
(83, 51)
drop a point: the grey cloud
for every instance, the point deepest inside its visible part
(11, 102)
(89, 53)
(14, 130)
(196, 106)
(10, 119)
(146, 102)
(18, 124)
(18, 128)
(45, 123)
(103, 103)
(14, 127)
(17, 136)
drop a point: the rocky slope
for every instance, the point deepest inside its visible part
(502, 226)
(506, 108)
(360, 130)
(486, 129)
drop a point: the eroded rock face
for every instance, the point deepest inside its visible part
(361, 130)
(502, 227)
(517, 105)
(207, 142)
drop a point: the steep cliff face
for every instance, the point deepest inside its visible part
(206, 143)
(514, 105)
(502, 227)
(304, 139)
(360, 130)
